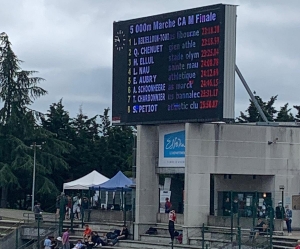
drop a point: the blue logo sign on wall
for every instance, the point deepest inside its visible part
(174, 144)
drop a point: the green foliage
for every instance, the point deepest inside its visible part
(297, 107)
(253, 114)
(285, 115)
(19, 129)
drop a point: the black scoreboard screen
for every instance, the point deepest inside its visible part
(169, 68)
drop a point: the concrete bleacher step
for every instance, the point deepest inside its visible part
(95, 225)
(151, 245)
(210, 241)
(11, 223)
(158, 238)
(79, 231)
(282, 247)
(284, 242)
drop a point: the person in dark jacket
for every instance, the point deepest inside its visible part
(279, 211)
(123, 235)
(37, 212)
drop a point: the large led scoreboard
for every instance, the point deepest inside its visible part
(175, 67)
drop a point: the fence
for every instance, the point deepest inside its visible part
(39, 227)
(241, 223)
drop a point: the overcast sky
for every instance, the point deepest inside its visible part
(70, 43)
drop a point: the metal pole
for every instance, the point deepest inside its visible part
(282, 208)
(133, 216)
(33, 176)
(202, 232)
(72, 215)
(125, 209)
(17, 238)
(251, 94)
(62, 208)
(240, 237)
(254, 209)
(39, 217)
(99, 198)
(231, 216)
(271, 225)
(238, 218)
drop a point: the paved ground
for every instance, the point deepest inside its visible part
(18, 214)
(13, 213)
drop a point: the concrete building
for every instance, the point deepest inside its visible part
(219, 158)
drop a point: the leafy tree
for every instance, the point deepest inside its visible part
(297, 107)
(86, 132)
(19, 130)
(117, 150)
(58, 122)
(253, 114)
(18, 90)
(105, 123)
(285, 115)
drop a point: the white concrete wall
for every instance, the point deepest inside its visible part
(147, 184)
(241, 150)
(219, 149)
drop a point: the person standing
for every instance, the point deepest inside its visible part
(227, 207)
(172, 219)
(168, 205)
(288, 219)
(65, 239)
(37, 212)
(235, 205)
(84, 206)
(57, 205)
(53, 242)
(47, 243)
(279, 211)
(76, 207)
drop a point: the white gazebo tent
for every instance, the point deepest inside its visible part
(87, 181)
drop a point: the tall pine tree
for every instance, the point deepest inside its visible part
(19, 89)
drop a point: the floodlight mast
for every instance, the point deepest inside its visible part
(251, 94)
(33, 146)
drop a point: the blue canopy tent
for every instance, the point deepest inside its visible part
(117, 183)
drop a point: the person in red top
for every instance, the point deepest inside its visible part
(172, 219)
(298, 246)
(168, 205)
(87, 233)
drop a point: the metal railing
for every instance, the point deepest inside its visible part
(223, 238)
(39, 219)
(13, 227)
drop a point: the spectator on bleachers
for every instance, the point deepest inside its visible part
(87, 234)
(65, 239)
(47, 243)
(53, 242)
(168, 206)
(97, 240)
(37, 212)
(171, 226)
(122, 235)
(79, 245)
(76, 207)
(59, 244)
(68, 207)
